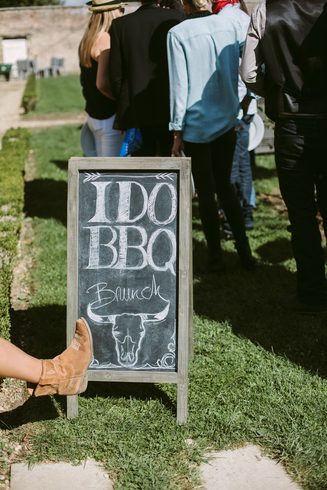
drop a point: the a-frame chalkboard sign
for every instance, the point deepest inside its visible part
(130, 269)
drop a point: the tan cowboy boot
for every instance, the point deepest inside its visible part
(66, 373)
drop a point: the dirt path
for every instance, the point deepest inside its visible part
(10, 99)
(11, 112)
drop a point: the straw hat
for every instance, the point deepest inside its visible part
(102, 5)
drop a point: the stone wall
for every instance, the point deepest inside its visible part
(52, 31)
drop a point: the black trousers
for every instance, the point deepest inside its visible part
(301, 160)
(156, 139)
(211, 168)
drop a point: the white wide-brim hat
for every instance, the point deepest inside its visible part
(102, 5)
(256, 132)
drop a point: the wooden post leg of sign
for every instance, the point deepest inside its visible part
(182, 402)
(190, 325)
(190, 316)
(72, 407)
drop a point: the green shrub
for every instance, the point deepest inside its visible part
(12, 161)
(30, 96)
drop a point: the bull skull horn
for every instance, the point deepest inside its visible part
(150, 317)
(100, 318)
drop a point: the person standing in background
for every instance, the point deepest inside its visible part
(241, 174)
(139, 74)
(203, 60)
(94, 53)
(284, 60)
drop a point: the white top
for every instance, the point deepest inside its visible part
(234, 12)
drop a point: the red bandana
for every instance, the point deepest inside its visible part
(218, 5)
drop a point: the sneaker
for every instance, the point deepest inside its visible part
(248, 222)
(292, 303)
(226, 235)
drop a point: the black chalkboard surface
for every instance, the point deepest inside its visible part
(129, 269)
(127, 262)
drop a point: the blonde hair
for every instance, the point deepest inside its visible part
(100, 22)
(197, 3)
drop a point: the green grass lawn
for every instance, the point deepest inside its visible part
(258, 374)
(59, 95)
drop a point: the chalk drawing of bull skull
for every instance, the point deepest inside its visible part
(128, 330)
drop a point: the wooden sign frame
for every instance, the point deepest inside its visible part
(182, 166)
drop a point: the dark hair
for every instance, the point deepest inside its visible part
(173, 5)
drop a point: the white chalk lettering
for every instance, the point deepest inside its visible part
(170, 263)
(100, 210)
(152, 204)
(124, 205)
(127, 246)
(119, 252)
(106, 295)
(124, 246)
(94, 251)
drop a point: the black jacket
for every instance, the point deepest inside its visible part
(294, 47)
(138, 66)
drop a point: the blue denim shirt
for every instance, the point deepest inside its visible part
(203, 60)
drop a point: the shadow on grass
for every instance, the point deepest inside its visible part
(39, 331)
(62, 164)
(276, 252)
(33, 410)
(196, 222)
(139, 391)
(248, 302)
(46, 198)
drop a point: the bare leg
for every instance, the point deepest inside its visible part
(14, 363)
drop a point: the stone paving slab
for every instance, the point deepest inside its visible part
(240, 469)
(245, 469)
(59, 476)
